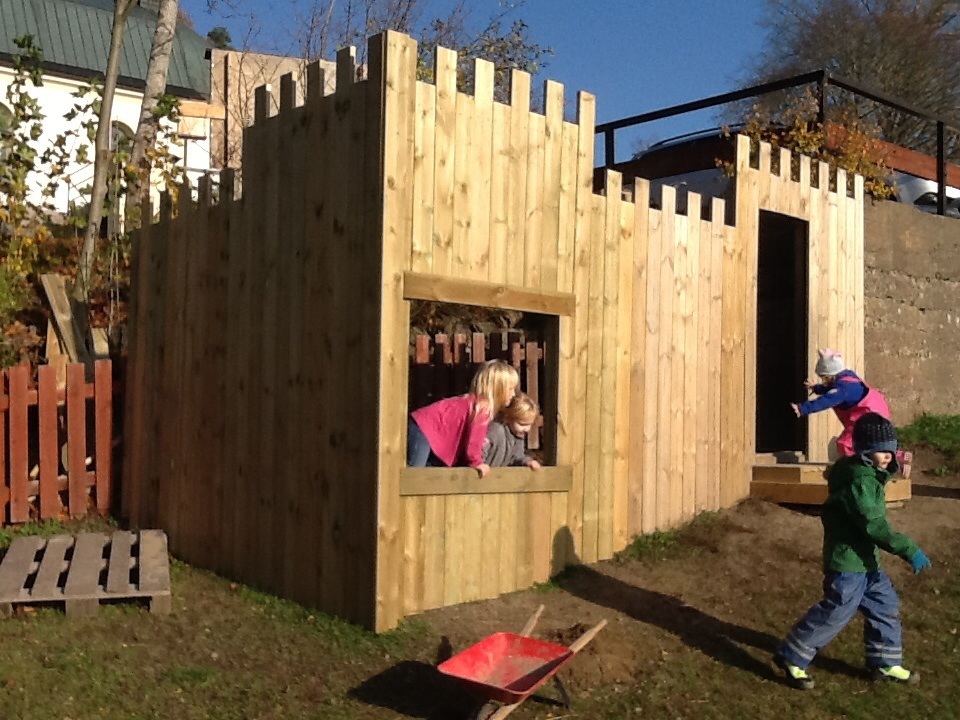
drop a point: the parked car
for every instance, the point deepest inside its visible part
(922, 194)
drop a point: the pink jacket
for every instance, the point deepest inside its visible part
(450, 431)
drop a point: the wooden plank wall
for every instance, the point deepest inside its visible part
(250, 437)
(789, 186)
(271, 349)
(656, 413)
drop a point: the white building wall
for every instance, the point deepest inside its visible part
(55, 98)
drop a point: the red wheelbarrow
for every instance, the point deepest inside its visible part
(505, 669)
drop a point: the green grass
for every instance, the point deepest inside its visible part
(49, 528)
(938, 432)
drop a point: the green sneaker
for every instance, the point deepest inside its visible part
(895, 673)
(796, 676)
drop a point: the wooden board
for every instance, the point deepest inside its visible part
(795, 493)
(68, 569)
(466, 481)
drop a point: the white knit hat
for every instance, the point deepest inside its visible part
(829, 363)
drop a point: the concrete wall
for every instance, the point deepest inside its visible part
(912, 306)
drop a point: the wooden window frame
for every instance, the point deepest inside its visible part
(466, 481)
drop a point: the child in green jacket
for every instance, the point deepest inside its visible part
(855, 529)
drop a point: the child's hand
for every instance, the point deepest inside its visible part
(483, 469)
(919, 561)
(809, 384)
(796, 409)
(533, 465)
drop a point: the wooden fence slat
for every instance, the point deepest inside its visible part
(49, 456)
(76, 440)
(19, 503)
(103, 404)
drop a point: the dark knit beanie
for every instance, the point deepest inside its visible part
(874, 433)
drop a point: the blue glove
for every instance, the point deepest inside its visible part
(919, 562)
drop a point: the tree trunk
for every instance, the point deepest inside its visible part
(101, 163)
(148, 124)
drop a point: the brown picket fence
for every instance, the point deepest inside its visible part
(442, 366)
(50, 465)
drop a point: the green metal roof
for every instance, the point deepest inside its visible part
(74, 36)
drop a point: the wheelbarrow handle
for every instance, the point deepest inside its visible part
(532, 622)
(581, 642)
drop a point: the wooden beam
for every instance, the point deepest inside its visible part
(466, 481)
(421, 286)
(808, 493)
(194, 109)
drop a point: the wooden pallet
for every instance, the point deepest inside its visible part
(806, 484)
(85, 570)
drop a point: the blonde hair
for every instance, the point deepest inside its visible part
(522, 409)
(493, 386)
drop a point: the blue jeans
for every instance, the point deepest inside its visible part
(419, 453)
(843, 595)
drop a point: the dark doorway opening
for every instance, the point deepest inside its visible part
(781, 332)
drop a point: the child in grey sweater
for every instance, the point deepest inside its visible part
(504, 445)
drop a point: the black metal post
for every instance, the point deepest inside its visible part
(941, 170)
(822, 99)
(609, 148)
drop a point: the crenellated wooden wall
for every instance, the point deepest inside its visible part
(287, 468)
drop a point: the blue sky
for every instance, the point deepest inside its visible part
(634, 55)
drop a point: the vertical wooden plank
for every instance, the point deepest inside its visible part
(519, 144)
(414, 519)
(481, 157)
(118, 564)
(509, 542)
(533, 223)
(566, 205)
(718, 239)
(691, 347)
(665, 399)
(748, 222)
(636, 341)
(135, 386)
(499, 197)
(398, 118)
(735, 305)
(424, 169)
(445, 73)
(76, 439)
(582, 253)
(593, 462)
(679, 440)
(552, 156)
(17, 377)
(612, 241)
(465, 178)
(103, 407)
(704, 469)
(622, 400)
(293, 533)
(434, 543)
(491, 533)
(651, 366)
(858, 271)
(49, 451)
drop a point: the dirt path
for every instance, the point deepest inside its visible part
(714, 598)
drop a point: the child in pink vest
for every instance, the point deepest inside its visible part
(849, 397)
(451, 431)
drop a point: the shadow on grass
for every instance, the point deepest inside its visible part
(417, 690)
(716, 638)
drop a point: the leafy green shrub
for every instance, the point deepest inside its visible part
(938, 432)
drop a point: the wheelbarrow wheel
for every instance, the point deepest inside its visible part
(486, 710)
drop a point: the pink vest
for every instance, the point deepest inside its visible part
(873, 401)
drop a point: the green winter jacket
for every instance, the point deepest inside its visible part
(854, 518)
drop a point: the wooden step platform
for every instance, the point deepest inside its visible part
(84, 570)
(806, 484)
